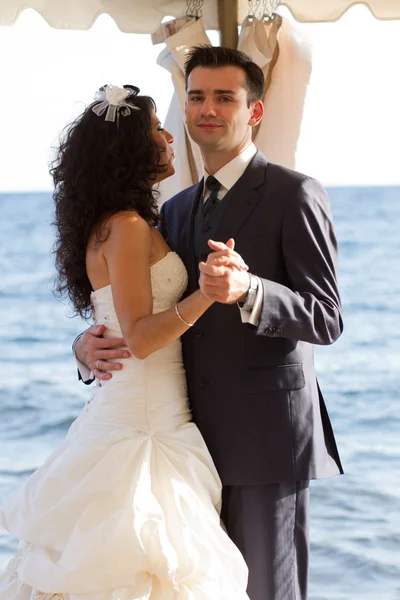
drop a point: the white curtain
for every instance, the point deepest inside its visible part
(188, 164)
(287, 76)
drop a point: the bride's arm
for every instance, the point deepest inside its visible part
(127, 252)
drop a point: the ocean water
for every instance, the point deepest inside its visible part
(355, 518)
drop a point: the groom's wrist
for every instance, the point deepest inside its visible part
(248, 300)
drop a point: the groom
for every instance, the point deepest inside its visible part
(249, 358)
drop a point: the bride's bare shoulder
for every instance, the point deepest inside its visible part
(128, 223)
(128, 218)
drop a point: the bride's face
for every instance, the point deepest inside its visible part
(164, 140)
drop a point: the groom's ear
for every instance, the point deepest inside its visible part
(257, 113)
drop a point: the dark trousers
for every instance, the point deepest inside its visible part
(269, 524)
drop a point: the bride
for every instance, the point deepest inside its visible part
(127, 507)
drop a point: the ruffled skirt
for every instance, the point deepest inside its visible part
(115, 514)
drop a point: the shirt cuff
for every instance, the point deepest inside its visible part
(85, 373)
(253, 316)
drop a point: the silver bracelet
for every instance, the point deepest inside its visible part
(178, 314)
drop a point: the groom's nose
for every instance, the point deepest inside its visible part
(208, 108)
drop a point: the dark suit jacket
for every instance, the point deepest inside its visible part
(253, 391)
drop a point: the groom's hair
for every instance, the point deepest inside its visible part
(215, 57)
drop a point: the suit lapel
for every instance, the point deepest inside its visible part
(188, 235)
(243, 197)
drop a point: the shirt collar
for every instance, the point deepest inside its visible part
(229, 174)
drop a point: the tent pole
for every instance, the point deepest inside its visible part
(227, 19)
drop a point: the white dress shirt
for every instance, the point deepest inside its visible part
(229, 174)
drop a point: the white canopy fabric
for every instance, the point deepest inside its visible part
(141, 16)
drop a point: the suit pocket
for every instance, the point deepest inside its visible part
(273, 379)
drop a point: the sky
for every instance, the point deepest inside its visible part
(350, 131)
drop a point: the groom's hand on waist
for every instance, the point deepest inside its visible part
(100, 354)
(224, 277)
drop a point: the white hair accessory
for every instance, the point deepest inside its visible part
(113, 99)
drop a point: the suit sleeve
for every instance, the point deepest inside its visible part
(309, 308)
(84, 373)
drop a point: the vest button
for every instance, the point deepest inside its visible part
(202, 383)
(198, 334)
(206, 228)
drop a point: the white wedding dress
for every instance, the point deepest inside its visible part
(127, 507)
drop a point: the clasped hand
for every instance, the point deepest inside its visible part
(224, 277)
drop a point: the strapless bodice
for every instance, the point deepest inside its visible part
(147, 394)
(168, 282)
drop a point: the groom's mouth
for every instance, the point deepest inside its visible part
(209, 126)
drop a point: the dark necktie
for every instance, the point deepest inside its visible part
(214, 186)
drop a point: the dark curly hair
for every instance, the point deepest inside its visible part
(100, 168)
